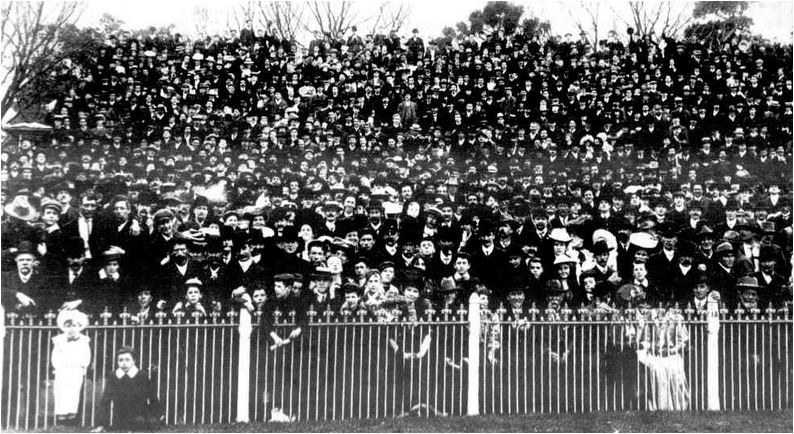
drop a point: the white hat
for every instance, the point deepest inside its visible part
(565, 259)
(643, 240)
(603, 234)
(560, 234)
(79, 319)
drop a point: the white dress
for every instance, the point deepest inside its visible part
(70, 359)
(661, 342)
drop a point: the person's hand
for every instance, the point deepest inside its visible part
(42, 249)
(98, 429)
(71, 305)
(135, 228)
(177, 307)
(295, 333)
(238, 292)
(160, 304)
(24, 300)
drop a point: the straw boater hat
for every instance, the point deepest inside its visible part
(75, 316)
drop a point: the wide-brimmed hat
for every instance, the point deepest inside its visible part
(447, 285)
(79, 319)
(20, 208)
(560, 234)
(114, 253)
(643, 240)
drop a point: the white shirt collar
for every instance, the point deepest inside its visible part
(132, 372)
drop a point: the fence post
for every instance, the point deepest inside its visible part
(473, 399)
(712, 356)
(243, 366)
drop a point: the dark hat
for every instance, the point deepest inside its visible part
(747, 282)
(767, 253)
(553, 286)
(25, 248)
(289, 234)
(600, 247)
(162, 216)
(667, 230)
(705, 232)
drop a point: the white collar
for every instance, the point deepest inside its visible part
(131, 373)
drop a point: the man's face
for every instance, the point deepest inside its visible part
(244, 253)
(728, 259)
(640, 272)
(768, 267)
(316, 255)
(179, 253)
(462, 265)
(201, 212)
(112, 267)
(366, 242)
(144, 298)
(602, 258)
(25, 263)
(87, 207)
(121, 210)
(701, 291)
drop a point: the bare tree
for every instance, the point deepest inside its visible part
(586, 18)
(247, 12)
(202, 18)
(333, 19)
(283, 18)
(390, 16)
(657, 17)
(31, 40)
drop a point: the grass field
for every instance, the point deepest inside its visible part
(593, 422)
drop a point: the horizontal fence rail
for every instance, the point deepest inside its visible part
(357, 367)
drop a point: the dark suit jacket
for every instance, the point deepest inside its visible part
(36, 288)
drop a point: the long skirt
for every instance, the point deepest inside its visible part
(669, 389)
(66, 389)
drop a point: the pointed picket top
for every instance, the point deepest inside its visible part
(49, 317)
(124, 315)
(105, 315)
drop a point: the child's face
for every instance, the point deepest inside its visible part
(144, 298)
(411, 293)
(352, 298)
(112, 267)
(589, 284)
(280, 289)
(259, 296)
(71, 329)
(193, 295)
(125, 362)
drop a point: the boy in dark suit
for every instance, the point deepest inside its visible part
(133, 394)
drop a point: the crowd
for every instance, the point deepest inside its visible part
(385, 176)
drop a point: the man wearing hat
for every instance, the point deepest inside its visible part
(487, 259)
(331, 226)
(661, 264)
(18, 226)
(178, 267)
(24, 289)
(773, 288)
(724, 275)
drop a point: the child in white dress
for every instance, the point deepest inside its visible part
(71, 355)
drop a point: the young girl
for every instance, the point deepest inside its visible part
(132, 393)
(71, 355)
(192, 301)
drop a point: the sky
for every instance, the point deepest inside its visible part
(773, 19)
